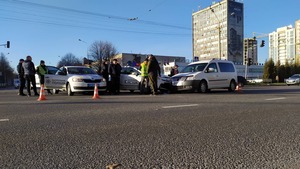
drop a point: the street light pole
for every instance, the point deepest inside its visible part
(87, 53)
(219, 32)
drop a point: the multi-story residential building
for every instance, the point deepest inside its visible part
(218, 31)
(282, 45)
(297, 31)
(250, 50)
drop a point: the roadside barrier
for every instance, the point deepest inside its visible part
(96, 95)
(42, 94)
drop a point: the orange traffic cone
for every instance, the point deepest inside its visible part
(96, 95)
(42, 94)
(238, 88)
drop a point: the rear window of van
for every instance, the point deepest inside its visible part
(226, 67)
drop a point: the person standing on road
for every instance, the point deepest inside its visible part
(21, 77)
(29, 73)
(41, 70)
(114, 72)
(144, 77)
(153, 73)
(104, 73)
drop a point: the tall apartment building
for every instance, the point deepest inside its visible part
(218, 31)
(282, 45)
(250, 46)
(297, 31)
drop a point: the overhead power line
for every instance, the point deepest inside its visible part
(98, 14)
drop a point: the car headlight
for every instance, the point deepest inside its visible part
(187, 78)
(76, 79)
(103, 80)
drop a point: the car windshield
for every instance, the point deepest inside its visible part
(52, 70)
(194, 68)
(80, 71)
(295, 76)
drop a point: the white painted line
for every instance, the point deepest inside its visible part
(2, 120)
(178, 106)
(279, 98)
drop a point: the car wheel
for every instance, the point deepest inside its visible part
(203, 87)
(55, 91)
(69, 90)
(232, 86)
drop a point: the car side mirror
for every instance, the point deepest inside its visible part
(210, 70)
(61, 73)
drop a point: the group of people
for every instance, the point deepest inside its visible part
(111, 72)
(150, 71)
(27, 71)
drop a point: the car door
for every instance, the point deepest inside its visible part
(130, 79)
(212, 75)
(58, 80)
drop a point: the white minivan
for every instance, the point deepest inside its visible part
(202, 76)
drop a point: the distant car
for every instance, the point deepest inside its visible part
(16, 83)
(293, 80)
(131, 80)
(74, 79)
(255, 80)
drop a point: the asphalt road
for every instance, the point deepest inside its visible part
(258, 127)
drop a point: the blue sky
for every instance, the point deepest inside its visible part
(49, 29)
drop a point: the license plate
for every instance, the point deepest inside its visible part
(91, 85)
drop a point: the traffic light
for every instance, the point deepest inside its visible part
(8, 44)
(250, 61)
(262, 43)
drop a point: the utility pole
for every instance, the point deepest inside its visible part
(219, 31)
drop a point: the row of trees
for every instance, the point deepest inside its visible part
(279, 72)
(6, 71)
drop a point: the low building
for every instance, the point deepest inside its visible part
(131, 59)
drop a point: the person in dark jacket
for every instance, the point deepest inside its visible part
(153, 73)
(174, 70)
(104, 73)
(29, 73)
(114, 72)
(21, 77)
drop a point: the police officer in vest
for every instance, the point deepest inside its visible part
(144, 77)
(41, 70)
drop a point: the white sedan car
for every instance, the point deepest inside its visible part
(131, 80)
(293, 80)
(74, 79)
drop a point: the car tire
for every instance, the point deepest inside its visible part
(203, 87)
(69, 90)
(232, 86)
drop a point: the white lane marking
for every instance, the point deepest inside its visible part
(2, 120)
(178, 106)
(279, 98)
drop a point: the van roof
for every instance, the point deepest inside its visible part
(207, 61)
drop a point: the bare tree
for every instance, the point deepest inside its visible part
(6, 71)
(100, 50)
(69, 60)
